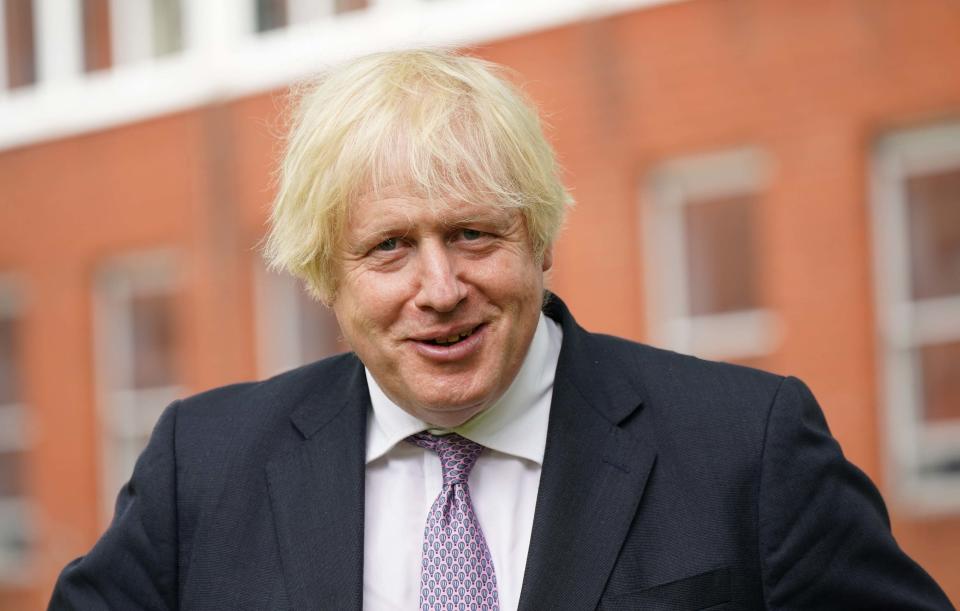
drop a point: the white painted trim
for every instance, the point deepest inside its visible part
(11, 300)
(734, 335)
(305, 11)
(15, 569)
(921, 150)
(936, 320)
(279, 300)
(276, 316)
(16, 435)
(123, 413)
(672, 186)
(229, 65)
(59, 41)
(713, 175)
(941, 441)
(14, 431)
(131, 31)
(904, 325)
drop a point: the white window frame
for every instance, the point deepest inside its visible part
(58, 40)
(905, 324)
(16, 435)
(306, 11)
(672, 186)
(223, 58)
(125, 413)
(131, 31)
(278, 301)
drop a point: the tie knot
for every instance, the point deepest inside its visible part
(457, 454)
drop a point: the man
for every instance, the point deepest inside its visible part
(478, 449)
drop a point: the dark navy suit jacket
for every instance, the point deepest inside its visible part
(668, 483)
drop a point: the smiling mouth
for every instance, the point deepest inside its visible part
(451, 340)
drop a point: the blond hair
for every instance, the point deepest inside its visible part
(446, 126)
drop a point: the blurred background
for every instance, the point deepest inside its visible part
(769, 182)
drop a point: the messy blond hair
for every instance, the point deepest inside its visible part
(448, 127)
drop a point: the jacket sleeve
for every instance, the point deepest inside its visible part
(134, 564)
(824, 535)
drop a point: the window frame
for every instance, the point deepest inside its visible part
(222, 56)
(904, 325)
(675, 184)
(278, 299)
(126, 413)
(18, 437)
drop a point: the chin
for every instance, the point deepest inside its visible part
(447, 416)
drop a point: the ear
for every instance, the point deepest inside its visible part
(547, 258)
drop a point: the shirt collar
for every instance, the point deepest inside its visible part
(516, 424)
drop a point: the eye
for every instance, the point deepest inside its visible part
(471, 234)
(387, 245)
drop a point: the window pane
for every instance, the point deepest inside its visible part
(940, 374)
(319, 332)
(11, 482)
(167, 27)
(720, 249)
(13, 535)
(271, 14)
(153, 341)
(9, 374)
(21, 48)
(96, 35)
(934, 218)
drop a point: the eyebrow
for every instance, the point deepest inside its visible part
(494, 216)
(401, 225)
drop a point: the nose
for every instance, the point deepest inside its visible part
(440, 288)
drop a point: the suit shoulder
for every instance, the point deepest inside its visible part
(687, 391)
(668, 365)
(236, 429)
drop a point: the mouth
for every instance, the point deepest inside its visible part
(453, 345)
(451, 339)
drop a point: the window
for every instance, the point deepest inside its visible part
(144, 29)
(14, 442)
(916, 217)
(293, 329)
(96, 35)
(271, 15)
(137, 346)
(701, 258)
(167, 27)
(20, 50)
(277, 14)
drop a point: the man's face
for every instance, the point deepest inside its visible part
(440, 303)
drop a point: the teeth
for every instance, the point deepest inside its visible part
(453, 338)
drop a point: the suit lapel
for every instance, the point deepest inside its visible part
(597, 459)
(316, 495)
(598, 456)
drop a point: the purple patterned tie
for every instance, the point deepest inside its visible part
(457, 570)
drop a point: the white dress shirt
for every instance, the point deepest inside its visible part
(403, 481)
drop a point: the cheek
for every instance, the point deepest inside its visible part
(369, 307)
(522, 285)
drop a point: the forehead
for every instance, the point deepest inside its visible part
(396, 207)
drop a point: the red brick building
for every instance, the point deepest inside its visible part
(764, 181)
